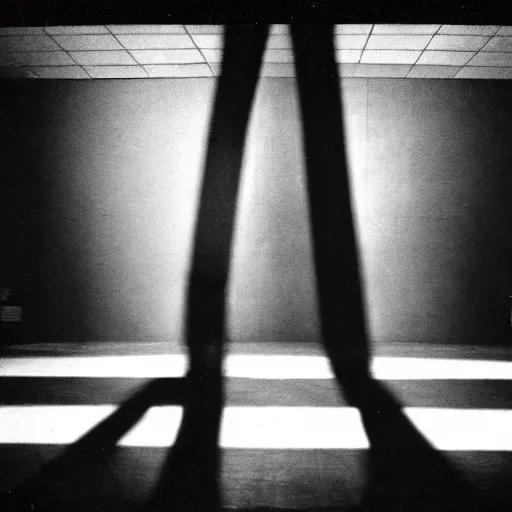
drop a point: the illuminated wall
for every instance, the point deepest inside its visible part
(108, 174)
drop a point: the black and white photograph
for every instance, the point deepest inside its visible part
(255, 256)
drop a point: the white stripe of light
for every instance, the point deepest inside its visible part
(251, 366)
(262, 427)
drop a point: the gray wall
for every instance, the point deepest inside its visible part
(107, 173)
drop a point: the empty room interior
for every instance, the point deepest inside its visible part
(256, 268)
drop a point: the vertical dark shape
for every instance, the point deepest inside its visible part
(405, 472)
(243, 51)
(19, 197)
(189, 478)
(335, 249)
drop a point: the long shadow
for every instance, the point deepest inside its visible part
(69, 470)
(405, 472)
(189, 481)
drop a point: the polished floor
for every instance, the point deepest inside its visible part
(289, 438)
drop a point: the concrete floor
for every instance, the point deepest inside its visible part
(318, 476)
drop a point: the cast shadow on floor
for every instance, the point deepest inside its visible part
(404, 472)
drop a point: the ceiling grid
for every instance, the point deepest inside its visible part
(417, 70)
(121, 70)
(70, 57)
(152, 51)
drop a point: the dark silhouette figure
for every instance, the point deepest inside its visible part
(420, 478)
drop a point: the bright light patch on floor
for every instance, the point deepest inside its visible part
(42, 424)
(138, 366)
(252, 366)
(464, 429)
(293, 428)
(399, 368)
(262, 427)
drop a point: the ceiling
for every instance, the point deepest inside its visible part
(179, 51)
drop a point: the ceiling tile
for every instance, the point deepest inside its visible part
(349, 56)
(279, 41)
(116, 71)
(167, 56)
(147, 29)
(353, 29)
(271, 55)
(504, 31)
(499, 44)
(400, 42)
(463, 43)
(209, 40)
(488, 73)
(27, 44)
(433, 71)
(272, 69)
(348, 42)
(491, 59)
(212, 55)
(374, 70)
(103, 58)
(389, 57)
(66, 72)
(49, 72)
(155, 41)
(178, 70)
(78, 29)
(268, 70)
(405, 29)
(88, 42)
(59, 58)
(205, 29)
(279, 29)
(445, 58)
(21, 31)
(476, 30)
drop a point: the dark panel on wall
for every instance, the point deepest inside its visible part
(439, 184)
(16, 187)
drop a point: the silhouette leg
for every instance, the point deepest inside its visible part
(206, 308)
(189, 480)
(243, 50)
(406, 473)
(335, 249)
